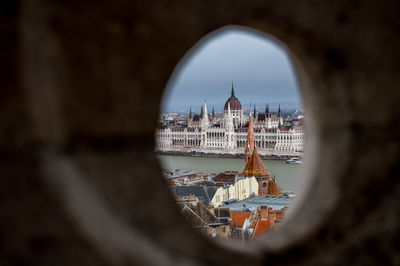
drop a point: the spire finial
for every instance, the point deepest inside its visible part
(267, 109)
(279, 109)
(233, 91)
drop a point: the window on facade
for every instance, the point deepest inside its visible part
(234, 87)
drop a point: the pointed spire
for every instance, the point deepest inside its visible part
(213, 112)
(233, 91)
(250, 140)
(254, 114)
(228, 118)
(267, 109)
(279, 109)
(205, 109)
(190, 112)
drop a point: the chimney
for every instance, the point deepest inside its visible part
(271, 216)
(263, 212)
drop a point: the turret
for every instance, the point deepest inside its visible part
(190, 118)
(228, 119)
(205, 114)
(280, 116)
(204, 117)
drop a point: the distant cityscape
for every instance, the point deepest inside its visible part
(231, 204)
(278, 133)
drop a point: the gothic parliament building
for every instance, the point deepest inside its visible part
(228, 134)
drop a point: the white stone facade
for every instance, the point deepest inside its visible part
(243, 188)
(228, 134)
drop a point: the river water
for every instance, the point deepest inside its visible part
(286, 174)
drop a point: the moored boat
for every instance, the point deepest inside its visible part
(294, 160)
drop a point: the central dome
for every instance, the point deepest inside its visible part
(234, 102)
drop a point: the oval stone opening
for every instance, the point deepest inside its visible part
(231, 134)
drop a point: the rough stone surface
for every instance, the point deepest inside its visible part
(81, 83)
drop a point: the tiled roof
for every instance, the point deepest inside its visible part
(261, 117)
(196, 118)
(273, 188)
(224, 178)
(255, 166)
(203, 193)
(262, 227)
(238, 218)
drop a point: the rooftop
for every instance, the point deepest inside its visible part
(274, 202)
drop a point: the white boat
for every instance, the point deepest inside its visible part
(294, 160)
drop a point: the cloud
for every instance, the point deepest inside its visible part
(260, 69)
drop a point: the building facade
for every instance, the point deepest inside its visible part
(205, 132)
(243, 188)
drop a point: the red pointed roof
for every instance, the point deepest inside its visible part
(273, 188)
(255, 166)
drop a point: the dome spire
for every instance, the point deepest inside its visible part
(233, 91)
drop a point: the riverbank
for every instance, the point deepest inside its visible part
(221, 155)
(286, 174)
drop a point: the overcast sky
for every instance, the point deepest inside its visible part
(260, 69)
